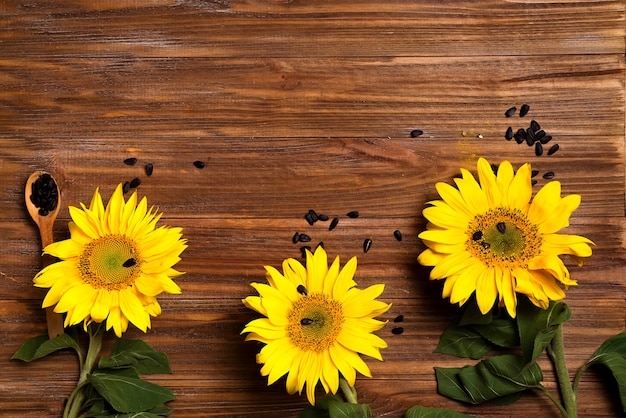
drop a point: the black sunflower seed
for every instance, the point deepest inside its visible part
(534, 125)
(524, 110)
(309, 219)
(476, 236)
(296, 238)
(306, 321)
(304, 238)
(549, 175)
(534, 173)
(554, 148)
(134, 183)
(508, 135)
(416, 132)
(333, 224)
(130, 161)
(367, 244)
(302, 290)
(126, 187)
(353, 214)
(510, 112)
(538, 149)
(545, 139)
(199, 164)
(397, 235)
(397, 330)
(149, 169)
(130, 262)
(501, 227)
(44, 194)
(398, 318)
(322, 217)
(533, 182)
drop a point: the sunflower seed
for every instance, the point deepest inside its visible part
(554, 148)
(130, 262)
(309, 219)
(501, 227)
(304, 238)
(476, 236)
(130, 161)
(367, 244)
(398, 318)
(353, 214)
(549, 175)
(534, 125)
(134, 183)
(306, 321)
(296, 238)
(524, 110)
(322, 217)
(416, 132)
(538, 149)
(510, 112)
(149, 169)
(534, 173)
(302, 290)
(545, 139)
(333, 224)
(397, 235)
(508, 135)
(44, 194)
(397, 330)
(533, 182)
(199, 164)
(126, 187)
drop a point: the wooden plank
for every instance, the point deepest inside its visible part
(365, 28)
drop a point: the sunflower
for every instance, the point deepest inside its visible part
(114, 265)
(490, 239)
(316, 322)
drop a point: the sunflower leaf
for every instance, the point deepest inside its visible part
(463, 341)
(41, 346)
(537, 326)
(424, 412)
(129, 394)
(612, 355)
(332, 406)
(136, 354)
(501, 332)
(491, 379)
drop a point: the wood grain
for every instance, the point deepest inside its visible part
(293, 106)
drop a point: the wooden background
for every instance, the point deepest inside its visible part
(298, 105)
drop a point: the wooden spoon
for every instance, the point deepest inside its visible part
(45, 221)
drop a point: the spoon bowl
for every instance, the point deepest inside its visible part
(43, 201)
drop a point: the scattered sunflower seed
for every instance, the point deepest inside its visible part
(333, 224)
(353, 214)
(134, 183)
(549, 175)
(416, 132)
(398, 318)
(367, 244)
(524, 110)
(302, 290)
(554, 148)
(397, 330)
(199, 164)
(130, 161)
(510, 112)
(397, 235)
(149, 169)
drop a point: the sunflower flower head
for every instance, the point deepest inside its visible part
(114, 265)
(489, 238)
(315, 324)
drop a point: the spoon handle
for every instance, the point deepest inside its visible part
(54, 321)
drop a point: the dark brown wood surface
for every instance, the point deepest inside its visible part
(298, 105)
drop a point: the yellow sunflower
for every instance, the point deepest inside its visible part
(316, 322)
(490, 239)
(114, 265)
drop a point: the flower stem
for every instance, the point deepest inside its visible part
(556, 351)
(75, 401)
(348, 391)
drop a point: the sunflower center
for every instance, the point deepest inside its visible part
(314, 322)
(111, 262)
(503, 237)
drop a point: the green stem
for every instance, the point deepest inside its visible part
(75, 401)
(556, 351)
(553, 399)
(348, 391)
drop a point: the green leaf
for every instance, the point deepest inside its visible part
(41, 346)
(424, 412)
(537, 326)
(131, 415)
(612, 355)
(490, 379)
(473, 316)
(501, 332)
(463, 341)
(332, 406)
(136, 354)
(129, 394)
